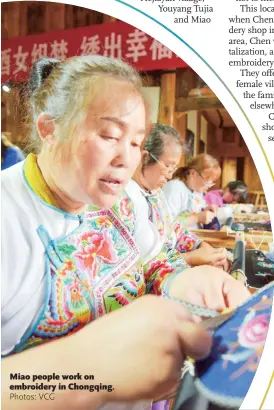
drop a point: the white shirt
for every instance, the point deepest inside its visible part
(23, 270)
(181, 199)
(147, 237)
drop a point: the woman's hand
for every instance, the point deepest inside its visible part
(209, 287)
(138, 349)
(205, 217)
(212, 208)
(142, 346)
(207, 256)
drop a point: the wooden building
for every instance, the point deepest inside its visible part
(180, 96)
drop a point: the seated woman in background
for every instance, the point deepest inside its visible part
(234, 192)
(161, 155)
(10, 154)
(184, 193)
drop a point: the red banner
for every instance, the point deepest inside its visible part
(119, 40)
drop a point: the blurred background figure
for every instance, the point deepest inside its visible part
(185, 192)
(10, 154)
(234, 192)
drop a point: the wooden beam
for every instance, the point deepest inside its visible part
(108, 19)
(251, 176)
(11, 19)
(231, 150)
(184, 104)
(206, 116)
(95, 17)
(219, 137)
(198, 135)
(81, 16)
(229, 171)
(4, 21)
(148, 80)
(55, 16)
(186, 80)
(23, 6)
(167, 99)
(36, 11)
(69, 16)
(180, 124)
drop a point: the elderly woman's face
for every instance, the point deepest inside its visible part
(104, 154)
(202, 181)
(161, 171)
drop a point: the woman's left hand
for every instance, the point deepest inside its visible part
(212, 208)
(218, 257)
(225, 264)
(209, 287)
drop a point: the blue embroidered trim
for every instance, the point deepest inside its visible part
(168, 282)
(44, 236)
(50, 247)
(194, 309)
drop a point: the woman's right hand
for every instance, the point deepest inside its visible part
(205, 217)
(141, 348)
(209, 287)
(138, 349)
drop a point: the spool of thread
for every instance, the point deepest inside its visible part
(229, 222)
(239, 253)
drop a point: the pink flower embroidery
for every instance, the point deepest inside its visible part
(157, 283)
(185, 243)
(93, 246)
(154, 266)
(177, 228)
(251, 339)
(164, 269)
(253, 333)
(160, 269)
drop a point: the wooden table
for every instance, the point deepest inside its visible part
(251, 217)
(226, 239)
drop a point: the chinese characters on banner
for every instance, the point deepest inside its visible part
(118, 40)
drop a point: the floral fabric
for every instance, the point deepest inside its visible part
(94, 270)
(179, 238)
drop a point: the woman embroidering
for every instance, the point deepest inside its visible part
(74, 256)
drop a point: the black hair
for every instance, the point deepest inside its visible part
(238, 188)
(41, 70)
(63, 90)
(3, 150)
(155, 143)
